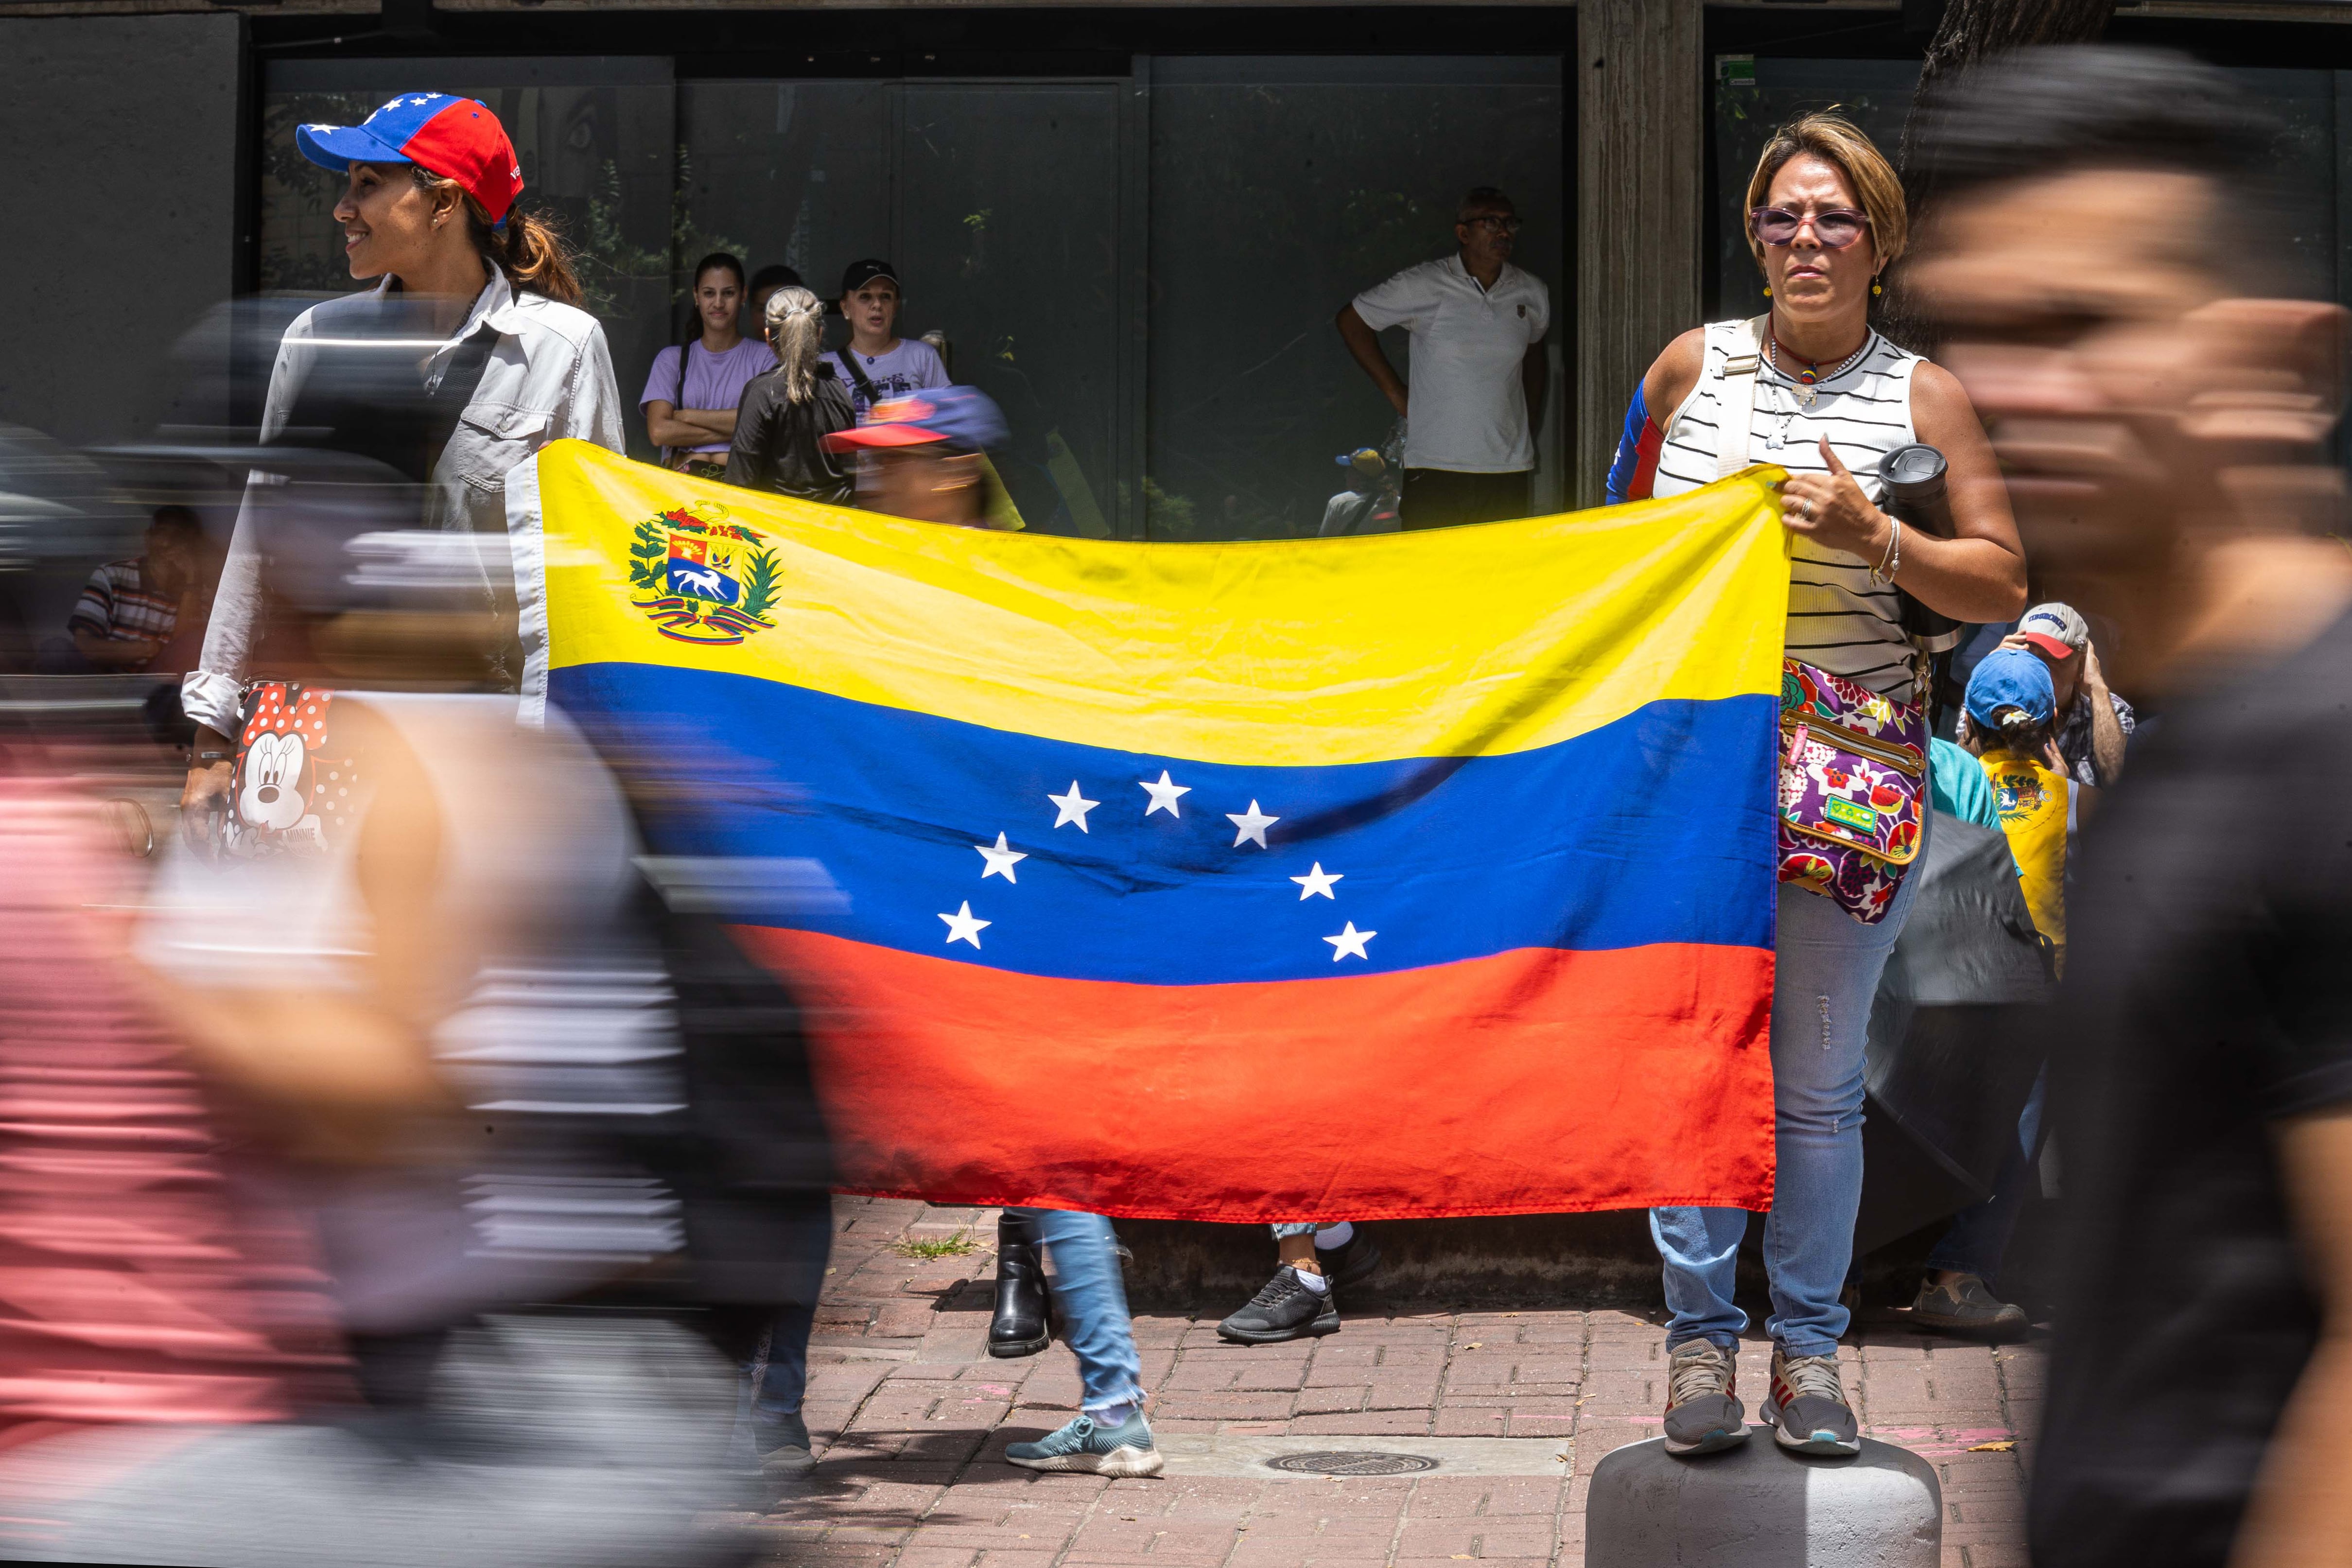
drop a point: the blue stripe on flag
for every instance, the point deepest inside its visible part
(1656, 828)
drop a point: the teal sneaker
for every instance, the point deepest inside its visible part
(1091, 1449)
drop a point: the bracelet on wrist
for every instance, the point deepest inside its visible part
(1891, 561)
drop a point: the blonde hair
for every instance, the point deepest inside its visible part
(528, 248)
(795, 322)
(1838, 142)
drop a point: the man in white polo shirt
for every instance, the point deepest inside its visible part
(1478, 324)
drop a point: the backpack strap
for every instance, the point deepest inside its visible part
(865, 383)
(1735, 398)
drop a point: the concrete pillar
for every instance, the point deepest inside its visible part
(1757, 1506)
(1641, 118)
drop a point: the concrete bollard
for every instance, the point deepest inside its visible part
(1757, 1506)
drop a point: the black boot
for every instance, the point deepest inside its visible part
(1019, 1327)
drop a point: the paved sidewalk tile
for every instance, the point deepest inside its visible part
(912, 1418)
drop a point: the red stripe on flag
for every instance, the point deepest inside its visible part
(1528, 1082)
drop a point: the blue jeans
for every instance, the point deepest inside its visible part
(1093, 1301)
(1978, 1238)
(1826, 974)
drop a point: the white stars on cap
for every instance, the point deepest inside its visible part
(1073, 808)
(1163, 794)
(1318, 882)
(1348, 943)
(1250, 827)
(1001, 857)
(965, 926)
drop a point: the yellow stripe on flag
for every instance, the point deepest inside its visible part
(1292, 652)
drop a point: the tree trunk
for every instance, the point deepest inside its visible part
(1970, 32)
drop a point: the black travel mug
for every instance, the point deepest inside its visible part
(1913, 477)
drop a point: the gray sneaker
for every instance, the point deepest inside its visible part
(1084, 1446)
(1703, 1413)
(1807, 1409)
(1967, 1307)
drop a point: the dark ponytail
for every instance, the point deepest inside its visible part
(2022, 734)
(526, 249)
(530, 251)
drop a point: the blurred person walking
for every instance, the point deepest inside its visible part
(132, 611)
(439, 1014)
(693, 391)
(428, 209)
(789, 410)
(926, 457)
(1824, 395)
(2202, 1070)
(1477, 325)
(2094, 724)
(878, 364)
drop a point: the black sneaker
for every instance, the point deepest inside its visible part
(784, 1452)
(1353, 1264)
(1967, 1307)
(1702, 1409)
(1283, 1309)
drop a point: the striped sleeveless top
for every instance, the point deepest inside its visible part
(1839, 619)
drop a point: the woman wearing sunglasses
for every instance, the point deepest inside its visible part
(1831, 398)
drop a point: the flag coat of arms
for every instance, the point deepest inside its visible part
(1415, 874)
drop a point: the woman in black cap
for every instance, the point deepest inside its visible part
(512, 364)
(877, 364)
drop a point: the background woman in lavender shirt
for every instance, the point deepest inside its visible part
(690, 398)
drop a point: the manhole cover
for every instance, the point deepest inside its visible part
(1352, 1464)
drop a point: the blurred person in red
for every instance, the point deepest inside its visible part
(2092, 262)
(147, 1283)
(413, 972)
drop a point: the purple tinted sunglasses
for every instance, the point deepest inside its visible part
(1836, 228)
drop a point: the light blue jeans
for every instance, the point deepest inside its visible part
(1092, 1296)
(1827, 965)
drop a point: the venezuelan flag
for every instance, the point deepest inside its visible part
(1417, 874)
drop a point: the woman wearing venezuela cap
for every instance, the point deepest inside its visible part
(470, 354)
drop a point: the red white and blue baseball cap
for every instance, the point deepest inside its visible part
(963, 418)
(457, 138)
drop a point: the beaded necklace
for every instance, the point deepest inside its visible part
(1810, 375)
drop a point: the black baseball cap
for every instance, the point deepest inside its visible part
(861, 273)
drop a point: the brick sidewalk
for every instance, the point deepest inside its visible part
(911, 1418)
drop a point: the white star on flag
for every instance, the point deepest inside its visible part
(1250, 824)
(1319, 880)
(1073, 807)
(1001, 858)
(964, 926)
(1163, 794)
(1350, 940)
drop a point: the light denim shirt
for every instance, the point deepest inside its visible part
(549, 377)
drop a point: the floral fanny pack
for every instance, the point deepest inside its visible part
(1854, 768)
